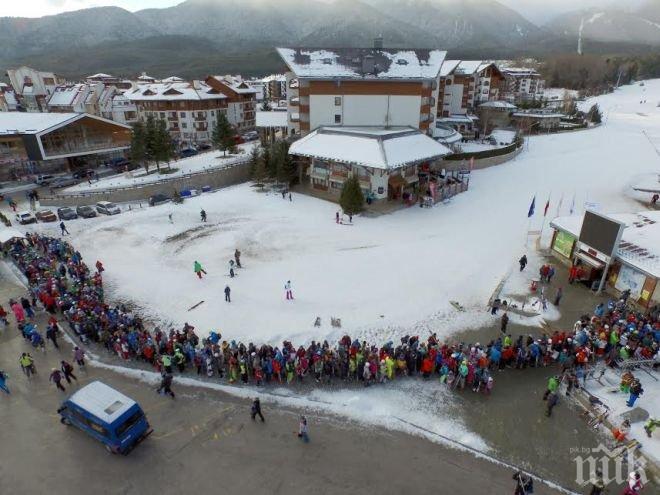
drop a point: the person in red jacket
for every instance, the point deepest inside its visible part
(427, 367)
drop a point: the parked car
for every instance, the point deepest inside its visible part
(106, 415)
(66, 213)
(63, 182)
(251, 136)
(83, 174)
(204, 147)
(46, 216)
(25, 217)
(43, 180)
(86, 211)
(187, 152)
(107, 208)
(159, 199)
(238, 139)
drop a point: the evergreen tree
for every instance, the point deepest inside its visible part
(139, 145)
(260, 173)
(286, 170)
(255, 157)
(223, 134)
(351, 199)
(150, 139)
(595, 115)
(163, 147)
(269, 164)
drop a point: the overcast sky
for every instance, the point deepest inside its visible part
(535, 10)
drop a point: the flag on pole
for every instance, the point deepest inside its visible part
(547, 205)
(572, 205)
(530, 213)
(561, 202)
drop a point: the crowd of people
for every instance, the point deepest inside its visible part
(64, 285)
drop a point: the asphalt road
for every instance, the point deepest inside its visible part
(205, 440)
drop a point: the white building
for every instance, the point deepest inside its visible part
(8, 99)
(241, 99)
(123, 110)
(361, 87)
(522, 84)
(33, 87)
(189, 108)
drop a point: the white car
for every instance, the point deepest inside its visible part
(107, 208)
(25, 217)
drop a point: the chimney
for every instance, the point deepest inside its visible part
(378, 42)
(368, 64)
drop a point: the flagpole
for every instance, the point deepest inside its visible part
(545, 213)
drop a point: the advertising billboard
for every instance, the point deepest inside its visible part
(600, 233)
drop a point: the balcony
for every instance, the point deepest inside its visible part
(294, 101)
(200, 118)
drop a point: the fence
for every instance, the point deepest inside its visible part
(216, 178)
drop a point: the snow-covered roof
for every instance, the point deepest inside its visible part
(172, 79)
(236, 84)
(145, 77)
(66, 95)
(38, 122)
(271, 119)
(519, 71)
(274, 77)
(376, 147)
(448, 67)
(100, 75)
(347, 63)
(7, 234)
(468, 67)
(503, 105)
(446, 134)
(640, 243)
(184, 91)
(458, 118)
(503, 136)
(539, 115)
(650, 184)
(102, 401)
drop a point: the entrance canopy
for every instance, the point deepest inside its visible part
(385, 148)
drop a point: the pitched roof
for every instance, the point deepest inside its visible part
(448, 67)
(184, 91)
(347, 63)
(468, 67)
(12, 123)
(376, 147)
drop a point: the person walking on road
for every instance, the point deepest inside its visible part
(237, 258)
(79, 356)
(56, 377)
(289, 291)
(63, 228)
(302, 429)
(523, 262)
(27, 364)
(166, 385)
(51, 334)
(202, 215)
(553, 386)
(558, 295)
(67, 369)
(256, 410)
(3, 382)
(635, 391)
(197, 267)
(552, 400)
(505, 322)
(227, 294)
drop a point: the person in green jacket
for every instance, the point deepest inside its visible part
(651, 425)
(197, 267)
(553, 386)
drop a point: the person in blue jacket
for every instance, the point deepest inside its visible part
(3, 382)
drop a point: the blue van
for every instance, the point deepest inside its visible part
(107, 415)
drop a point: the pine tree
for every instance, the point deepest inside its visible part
(139, 145)
(255, 157)
(271, 170)
(595, 115)
(163, 147)
(260, 173)
(150, 139)
(351, 199)
(223, 134)
(286, 170)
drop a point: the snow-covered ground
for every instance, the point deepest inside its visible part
(384, 276)
(197, 163)
(608, 392)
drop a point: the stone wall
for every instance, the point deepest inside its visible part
(215, 179)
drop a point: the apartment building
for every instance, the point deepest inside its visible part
(8, 99)
(33, 87)
(189, 108)
(522, 84)
(241, 99)
(361, 87)
(274, 87)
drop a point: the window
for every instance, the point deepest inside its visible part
(137, 416)
(182, 115)
(184, 125)
(337, 101)
(337, 119)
